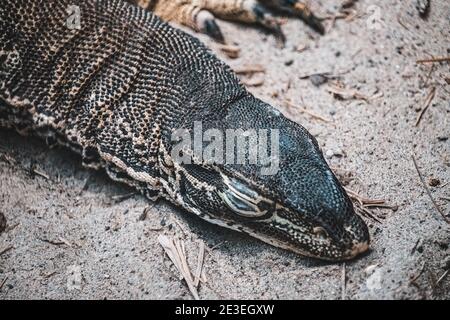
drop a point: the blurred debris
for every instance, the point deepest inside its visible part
(423, 6)
(371, 268)
(446, 263)
(375, 280)
(7, 158)
(344, 176)
(348, 4)
(10, 228)
(428, 77)
(346, 11)
(174, 249)
(414, 278)
(302, 47)
(85, 185)
(317, 79)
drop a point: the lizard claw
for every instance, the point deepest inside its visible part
(213, 30)
(208, 25)
(309, 18)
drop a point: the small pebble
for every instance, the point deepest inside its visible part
(339, 152)
(318, 79)
(433, 182)
(329, 154)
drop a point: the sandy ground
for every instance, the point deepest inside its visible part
(69, 236)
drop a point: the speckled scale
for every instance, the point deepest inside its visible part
(108, 90)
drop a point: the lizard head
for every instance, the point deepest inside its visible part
(293, 201)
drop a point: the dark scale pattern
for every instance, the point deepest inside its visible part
(110, 86)
(114, 91)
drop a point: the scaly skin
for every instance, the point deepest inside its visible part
(116, 89)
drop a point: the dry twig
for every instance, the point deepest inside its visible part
(417, 276)
(3, 283)
(306, 111)
(346, 94)
(42, 174)
(428, 191)
(3, 251)
(122, 197)
(434, 60)
(201, 256)
(231, 51)
(399, 20)
(430, 97)
(364, 205)
(175, 251)
(52, 242)
(443, 276)
(253, 82)
(365, 201)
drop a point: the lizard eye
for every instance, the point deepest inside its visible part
(240, 205)
(320, 232)
(244, 201)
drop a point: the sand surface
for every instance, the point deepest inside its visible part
(70, 236)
